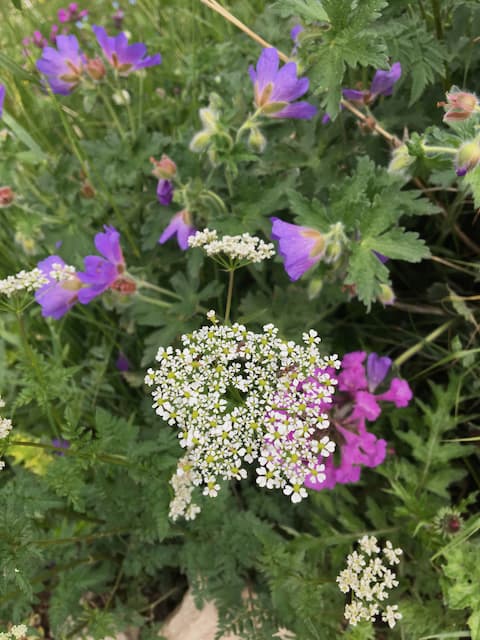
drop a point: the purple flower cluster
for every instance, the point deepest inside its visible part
(276, 90)
(354, 404)
(71, 14)
(101, 273)
(64, 66)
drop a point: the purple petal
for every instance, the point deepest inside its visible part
(55, 298)
(377, 369)
(122, 362)
(181, 226)
(149, 61)
(383, 259)
(300, 247)
(164, 192)
(352, 375)
(366, 406)
(352, 94)
(295, 31)
(326, 119)
(99, 275)
(383, 81)
(298, 110)
(107, 44)
(287, 87)
(108, 244)
(267, 67)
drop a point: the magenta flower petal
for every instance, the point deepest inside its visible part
(300, 247)
(366, 406)
(352, 375)
(399, 393)
(181, 226)
(56, 298)
(377, 369)
(383, 81)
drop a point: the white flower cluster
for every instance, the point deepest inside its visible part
(5, 428)
(24, 280)
(239, 397)
(60, 272)
(183, 483)
(370, 582)
(18, 632)
(239, 250)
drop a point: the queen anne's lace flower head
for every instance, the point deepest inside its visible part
(232, 251)
(240, 398)
(5, 428)
(369, 579)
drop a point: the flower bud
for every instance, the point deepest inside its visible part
(87, 191)
(117, 18)
(28, 244)
(256, 140)
(121, 98)
(335, 240)
(209, 118)
(400, 160)
(164, 168)
(200, 141)
(386, 295)
(468, 157)
(314, 287)
(96, 69)
(460, 105)
(7, 196)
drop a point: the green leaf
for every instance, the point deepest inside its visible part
(366, 273)
(472, 180)
(399, 244)
(309, 213)
(17, 4)
(309, 10)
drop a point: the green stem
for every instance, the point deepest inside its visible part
(68, 130)
(437, 17)
(112, 113)
(103, 457)
(158, 303)
(154, 287)
(429, 149)
(248, 124)
(406, 355)
(231, 275)
(89, 538)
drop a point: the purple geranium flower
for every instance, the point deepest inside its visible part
(105, 273)
(181, 226)
(56, 297)
(276, 90)
(64, 67)
(2, 97)
(300, 247)
(164, 192)
(382, 85)
(123, 57)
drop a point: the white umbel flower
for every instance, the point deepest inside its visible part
(238, 397)
(238, 250)
(369, 581)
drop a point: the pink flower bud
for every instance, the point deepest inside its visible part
(96, 68)
(460, 105)
(7, 196)
(165, 168)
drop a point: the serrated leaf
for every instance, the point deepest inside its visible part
(309, 10)
(472, 180)
(366, 273)
(309, 213)
(399, 244)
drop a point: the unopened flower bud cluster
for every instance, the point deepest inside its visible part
(370, 580)
(239, 397)
(5, 428)
(22, 281)
(241, 249)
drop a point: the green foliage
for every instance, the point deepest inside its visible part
(462, 574)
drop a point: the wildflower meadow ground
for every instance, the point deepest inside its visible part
(239, 264)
